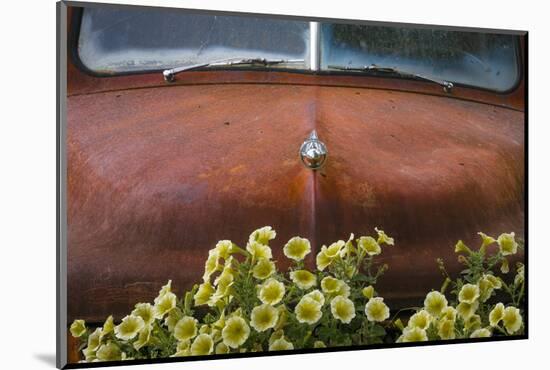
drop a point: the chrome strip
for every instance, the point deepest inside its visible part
(314, 46)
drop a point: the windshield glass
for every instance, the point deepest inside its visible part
(477, 59)
(125, 40)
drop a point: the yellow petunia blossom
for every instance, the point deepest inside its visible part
(235, 332)
(259, 250)
(435, 303)
(164, 305)
(94, 340)
(271, 291)
(186, 328)
(319, 344)
(342, 309)
(504, 268)
(109, 352)
(446, 329)
(469, 293)
(414, 334)
(507, 244)
(448, 313)
(327, 255)
(369, 245)
(316, 295)
(144, 337)
(277, 334)
(221, 348)
(473, 322)
(224, 248)
(263, 269)
(262, 235)
(303, 279)
(183, 349)
(145, 311)
(481, 333)
(308, 310)
(376, 310)
(172, 319)
(368, 292)
(383, 238)
(460, 247)
(330, 284)
(202, 345)
(202, 296)
(512, 319)
(89, 355)
(108, 327)
(129, 327)
(281, 345)
(496, 314)
(78, 328)
(264, 317)
(465, 310)
(520, 275)
(167, 288)
(422, 319)
(486, 240)
(297, 248)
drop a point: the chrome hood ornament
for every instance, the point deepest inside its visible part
(313, 152)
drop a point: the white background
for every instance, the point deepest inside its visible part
(27, 194)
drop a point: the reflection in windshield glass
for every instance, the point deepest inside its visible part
(121, 40)
(469, 58)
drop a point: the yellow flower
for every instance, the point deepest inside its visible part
(448, 313)
(369, 245)
(108, 327)
(235, 332)
(259, 250)
(383, 237)
(221, 348)
(368, 292)
(319, 344)
(342, 309)
(504, 268)
(224, 248)
(446, 329)
(520, 275)
(435, 303)
(496, 314)
(183, 349)
(277, 334)
(460, 247)
(512, 319)
(327, 255)
(465, 310)
(422, 319)
(129, 327)
(414, 334)
(262, 235)
(376, 310)
(330, 284)
(202, 345)
(473, 322)
(486, 240)
(469, 293)
(165, 289)
(164, 305)
(264, 268)
(109, 352)
(186, 328)
(481, 333)
(487, 284)
(78, 328)
(89, 355)
(264, 317)
(316, 295)
(308, 310)
(202, 296)
(281, 345)
(283, 317)
(94, 340)
(297, 248)
(303, 279)
(507, 244)
(271, 291)
(143, 338)
(211, 265)
(145, 311)
(172, 319)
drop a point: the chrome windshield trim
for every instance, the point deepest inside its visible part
(314, 46)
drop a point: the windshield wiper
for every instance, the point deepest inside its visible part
(169, 74)
(447, 85)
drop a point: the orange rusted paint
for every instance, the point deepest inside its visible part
(158, 173)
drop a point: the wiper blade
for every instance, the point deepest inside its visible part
(169, 74)
(447, 85)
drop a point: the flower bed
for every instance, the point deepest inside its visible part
(244, 304)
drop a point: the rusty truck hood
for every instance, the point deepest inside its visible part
(161, 174)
